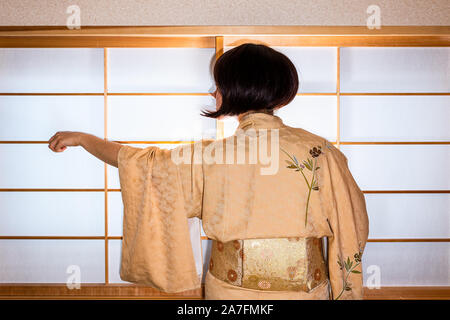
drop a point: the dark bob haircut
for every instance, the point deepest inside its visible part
(253, 77)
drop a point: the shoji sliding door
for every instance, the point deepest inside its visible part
(385, 104)
(50, 217)
(388, 110)
(63, 211)
(395, 131)
(156, 94)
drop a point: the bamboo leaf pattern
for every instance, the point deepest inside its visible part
(311, 165)
(307, 165)
(349, 268)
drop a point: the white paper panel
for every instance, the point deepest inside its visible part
(40, 117)
(115, 249)
(395, 69)
(399, 167)
(113, 172)
(409, 264)
(160, 69)
(164, 118)
(115, 214)
(196, 243)
(206, 247)
(23, 261)
(114, 256)
(36, 166)
(52, 214)
(408, 215)
(203, 234)
(316, 67)
(314, 114)
(395, 118)
(51, 70)
(230, 125)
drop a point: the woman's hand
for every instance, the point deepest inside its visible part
(103, 149)
(63, 139)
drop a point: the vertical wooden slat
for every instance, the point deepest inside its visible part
(105, 126)
(338, 96)
(338, 137)
(219, 123)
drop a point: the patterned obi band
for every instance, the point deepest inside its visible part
(279, 264)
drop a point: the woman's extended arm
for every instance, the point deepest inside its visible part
(106, 151)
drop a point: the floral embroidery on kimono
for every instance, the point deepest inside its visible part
(311, 166)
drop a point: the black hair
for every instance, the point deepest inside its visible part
(253, 77)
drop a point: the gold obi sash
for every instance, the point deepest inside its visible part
(279, 264)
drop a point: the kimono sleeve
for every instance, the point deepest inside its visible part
(349, 224)
(156, 246)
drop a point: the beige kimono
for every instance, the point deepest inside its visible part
(296, 185)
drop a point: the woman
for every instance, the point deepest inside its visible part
(267, 196)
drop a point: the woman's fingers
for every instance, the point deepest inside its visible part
(53, 138)
(59, 146)
(62, 139)
(51, 141)
(55, 142)
(52, 145)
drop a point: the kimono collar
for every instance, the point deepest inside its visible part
(259, 120)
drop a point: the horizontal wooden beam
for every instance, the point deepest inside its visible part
(52, 237)
(405, 191)
(91, 291)
(62, 238)
(394, 93)
(202, 238)
(411, 240)
(408, 293)
(194, 31)
(51, 94)
(204, 36)
(207, 93)
(392, 142)
(55, 189)
(131, 291)
(118, 190)
(342, 40)
(122, 142)
(385, 240)
(104, 42)
(192, 141)
(171, 42)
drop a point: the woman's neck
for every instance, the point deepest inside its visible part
(240, 116)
